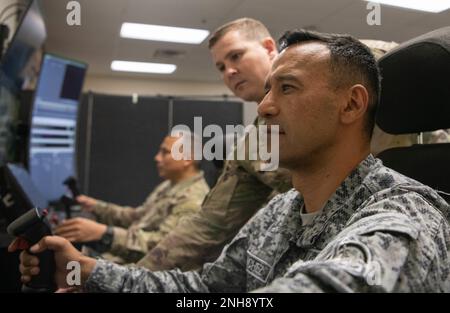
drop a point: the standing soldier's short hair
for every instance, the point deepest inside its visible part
(252, 29)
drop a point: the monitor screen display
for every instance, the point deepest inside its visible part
(53, 124)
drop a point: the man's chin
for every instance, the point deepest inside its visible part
(241, 95)
(247, 95)
(283, 163)
(287, 162)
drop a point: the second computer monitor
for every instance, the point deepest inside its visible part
(53, 124)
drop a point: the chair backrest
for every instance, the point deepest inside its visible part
(415, 98)
(429, 164)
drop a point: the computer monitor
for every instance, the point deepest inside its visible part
(28, 38)
(53, 124)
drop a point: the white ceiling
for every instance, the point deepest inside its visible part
(97, 40)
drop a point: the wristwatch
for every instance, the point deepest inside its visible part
(107, 238)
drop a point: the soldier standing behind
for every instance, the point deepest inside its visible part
(243, 52)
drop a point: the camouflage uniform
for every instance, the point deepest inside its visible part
(380, 231)
(240, 191)
(140, 229)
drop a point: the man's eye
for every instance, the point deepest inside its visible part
(266, 90)
(286, 88)
(235, 56)
(221, 68)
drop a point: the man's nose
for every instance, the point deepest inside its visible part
(230, 71)
(267, 107)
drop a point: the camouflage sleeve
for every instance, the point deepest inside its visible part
(134, 243)
(124, 216)
(113, 214)
(360, 260)
(110, 277)
(226, 274)
(201, 237)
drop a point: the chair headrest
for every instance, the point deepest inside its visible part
(415, 89)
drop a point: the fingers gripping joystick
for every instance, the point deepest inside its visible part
(31, 227)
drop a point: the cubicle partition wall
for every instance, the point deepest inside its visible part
(118, 138)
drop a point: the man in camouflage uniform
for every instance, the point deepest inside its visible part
(350, 224)
(243, 51)
(134, 231)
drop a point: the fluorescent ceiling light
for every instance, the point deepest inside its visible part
(434, 6)
(163, 33)
(143, 67)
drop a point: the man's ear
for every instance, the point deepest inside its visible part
(356, 104)
(271, 47)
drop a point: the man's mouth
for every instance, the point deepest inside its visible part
(239, 84)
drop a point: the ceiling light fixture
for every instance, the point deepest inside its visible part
(143, 67)
(163, 33)
(434, 6)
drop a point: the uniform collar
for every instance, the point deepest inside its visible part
(338, 203)
(174, 188)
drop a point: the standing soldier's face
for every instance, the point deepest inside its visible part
(243, 63)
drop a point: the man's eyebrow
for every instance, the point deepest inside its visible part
(287, 77)
(228, 55)
(281, 77)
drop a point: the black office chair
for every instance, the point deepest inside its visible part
(415, 98)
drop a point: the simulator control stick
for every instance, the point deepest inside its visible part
(32, 227)
(72, 185)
